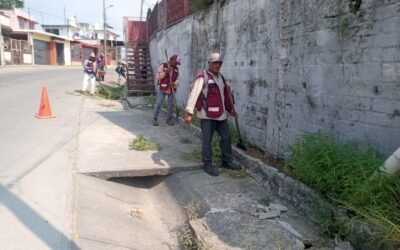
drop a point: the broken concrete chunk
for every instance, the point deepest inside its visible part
(289, 227)
(300, 244)
(261, 208)
(269, 215)
(279, 207)
(248, 208)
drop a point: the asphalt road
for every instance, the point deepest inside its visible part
(37, 157)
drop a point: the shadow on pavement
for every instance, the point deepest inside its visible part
(32, 220)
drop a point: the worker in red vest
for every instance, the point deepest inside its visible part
(89, 73)
(165, 74)
(101, 66)
(210, 97)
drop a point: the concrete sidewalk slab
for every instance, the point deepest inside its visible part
(106, 131)
(126, 214)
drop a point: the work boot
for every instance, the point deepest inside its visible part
(211, 170)
(230, 165)
(170, 121)
(155, 122)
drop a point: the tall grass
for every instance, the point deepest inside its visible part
(109, 92)
(348, 174)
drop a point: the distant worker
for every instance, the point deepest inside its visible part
(89, 76)
(167, 77)
(210, 97)
(121, 69)
(101, 66)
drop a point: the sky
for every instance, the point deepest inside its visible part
(89, 11)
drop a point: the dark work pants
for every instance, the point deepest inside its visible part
(208, 127)
(160, 99)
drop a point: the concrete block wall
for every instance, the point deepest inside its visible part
(299, 66)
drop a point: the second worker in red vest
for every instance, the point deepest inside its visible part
(209, 96)
(165, 75)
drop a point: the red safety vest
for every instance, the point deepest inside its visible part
(164, 83)
(212, 103)
(90, 66)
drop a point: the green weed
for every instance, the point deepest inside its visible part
(185, 140)
(238, 174)
(196, 121)
(194, 155)
(235, 136)
(108, 92)
(142, 144)
(186, 237)
(344, 27)
(201, 4)
(150, 100)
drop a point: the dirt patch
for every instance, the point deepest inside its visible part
(266, 158)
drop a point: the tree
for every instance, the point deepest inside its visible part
(9, 4)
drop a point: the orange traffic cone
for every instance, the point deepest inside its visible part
(44, 108)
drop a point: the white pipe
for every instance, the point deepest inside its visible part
(392, 164)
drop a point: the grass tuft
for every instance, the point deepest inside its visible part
(194, 155)
(111, 93)
(185, 140)
(142, 144)
(238, 174)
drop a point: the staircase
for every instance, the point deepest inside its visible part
(139, 73)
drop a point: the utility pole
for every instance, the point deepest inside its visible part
(141, 10)
(105, 41)
(66, 23)
(65, 16)
(29, 22)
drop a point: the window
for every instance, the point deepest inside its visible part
(76, 51)
(21, 23)
(53, 31)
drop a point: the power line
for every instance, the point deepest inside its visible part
(61, 12)
(72, 12)
(45, 13)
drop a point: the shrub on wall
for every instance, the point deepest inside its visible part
(201, 4)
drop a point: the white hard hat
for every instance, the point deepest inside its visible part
(92, 54)
(215, 57)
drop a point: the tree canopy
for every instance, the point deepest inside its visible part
(9, 4)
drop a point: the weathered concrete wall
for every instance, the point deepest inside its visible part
(300, 66)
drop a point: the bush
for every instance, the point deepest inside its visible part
(348, 174)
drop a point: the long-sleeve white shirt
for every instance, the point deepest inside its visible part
(197, 87)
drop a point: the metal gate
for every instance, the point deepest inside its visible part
(17, 48)
(41, 49)
(16, 52)
(60, 53)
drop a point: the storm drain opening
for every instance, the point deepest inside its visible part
(143, 182)
(169, 200)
